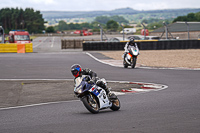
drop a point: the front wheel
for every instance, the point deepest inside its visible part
(133, 62)
(115, 104)
(91, 104)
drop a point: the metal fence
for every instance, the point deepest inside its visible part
(73, 44)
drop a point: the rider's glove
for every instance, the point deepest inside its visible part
(87, 78)
(91, 82)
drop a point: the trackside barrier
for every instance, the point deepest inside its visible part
(72, 44)
(20, 48)
(8, 48)
(144, 45)
(28, 47)
(16, 48)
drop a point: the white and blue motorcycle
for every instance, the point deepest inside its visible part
(94, 97)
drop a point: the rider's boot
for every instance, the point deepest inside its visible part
(109, 94)
(104, 86)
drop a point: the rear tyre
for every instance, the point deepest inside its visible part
(91, 104)
(125, 64)
(115, 104)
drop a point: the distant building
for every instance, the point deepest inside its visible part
(179, 30)
(48, 25)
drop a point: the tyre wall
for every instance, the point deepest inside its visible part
(144, 45)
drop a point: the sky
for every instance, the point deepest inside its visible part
(98, 5)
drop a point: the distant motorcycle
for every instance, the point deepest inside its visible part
(131, 57)
(94, 97)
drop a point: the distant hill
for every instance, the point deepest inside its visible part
(83, 14)
(122, 11)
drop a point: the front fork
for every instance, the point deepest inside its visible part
(91, 99)
(131, 61)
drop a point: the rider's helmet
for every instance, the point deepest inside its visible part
(76, 70)
(132, 41)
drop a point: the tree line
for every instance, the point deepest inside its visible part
(19, 19)
(33, 21)
(111, 23)
(105, 19)
(157, 23)
(191, 17)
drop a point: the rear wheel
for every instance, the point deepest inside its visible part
(115, 104)
(91, 104)
(125, 64)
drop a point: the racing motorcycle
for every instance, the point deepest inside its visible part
(94, 97)
(131, 57)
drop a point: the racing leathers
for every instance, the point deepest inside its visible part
(91, 77)
(126, 47)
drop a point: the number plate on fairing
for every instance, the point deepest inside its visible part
(103, 99)
(94, 90)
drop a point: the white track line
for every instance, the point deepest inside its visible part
(32, 105)
(48, 103)
(52, 42)
(100, 60)
(143, 67)
(40, 43)
(36, 79)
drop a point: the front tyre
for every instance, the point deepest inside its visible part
(91, 104)
(133, 62)
(115, 104)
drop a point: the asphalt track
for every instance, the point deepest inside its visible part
(175, 109)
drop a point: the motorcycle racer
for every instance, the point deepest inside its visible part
(130, 43)
(80, 73)
(130, 54)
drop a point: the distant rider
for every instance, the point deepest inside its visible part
(129, 44)
(77, 72)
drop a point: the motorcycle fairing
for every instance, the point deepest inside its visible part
(129, 56)
(103, 98)
(94, 91)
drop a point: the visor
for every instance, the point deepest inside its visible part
(75, 73)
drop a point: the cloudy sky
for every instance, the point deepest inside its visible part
(94, 5)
